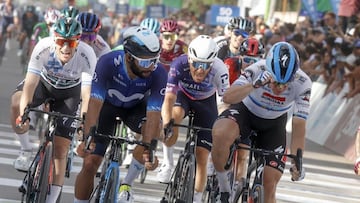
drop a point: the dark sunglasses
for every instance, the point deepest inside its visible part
(88, 36)
(146, 63)
(249, 59)
(72, 43)
(202, 65)
(239, 32)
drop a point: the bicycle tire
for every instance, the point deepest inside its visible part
(109, 194)
(212, 190)
(29, 192)
(173, 187)
(257, 194)
(42, 186)
(187, 184)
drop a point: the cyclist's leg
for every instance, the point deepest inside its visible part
(84, 183)
(271, 135)
(357, 153)
(205, 114)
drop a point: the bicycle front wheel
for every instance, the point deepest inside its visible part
(110, 189)
(186, 186)
(257, 194)
(43, 174)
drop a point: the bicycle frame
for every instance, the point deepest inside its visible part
(38, 179)
(256, 162)
(181, 189)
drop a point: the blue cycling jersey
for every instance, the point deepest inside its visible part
(111, 83)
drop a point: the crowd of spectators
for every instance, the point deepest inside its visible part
(329, 49)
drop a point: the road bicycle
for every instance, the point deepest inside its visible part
(106, 190)
(38, 178)
(181, 186)
(251, 189)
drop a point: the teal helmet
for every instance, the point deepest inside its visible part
(70, 12)
(67, 28)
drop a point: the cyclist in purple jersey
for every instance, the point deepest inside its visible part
(193, 80)
(129, 84)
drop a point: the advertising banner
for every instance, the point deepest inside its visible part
(221, 14)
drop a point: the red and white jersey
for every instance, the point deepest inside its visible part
(166, 57)
(265, 104)
(79, 69)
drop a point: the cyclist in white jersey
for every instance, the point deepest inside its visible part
(193, 81)
(260, 99)
(61, 68)
(91, 26)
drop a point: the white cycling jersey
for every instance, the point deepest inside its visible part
(265, 104)
(79, 69)
(100, 46)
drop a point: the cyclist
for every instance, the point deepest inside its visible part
(192, 83)
(129, 84)
(171, 46)
(9, 20)
(43, 29)
(28, 21)
(60, 67)
(91, 25)
(260, 100)
(240, 29)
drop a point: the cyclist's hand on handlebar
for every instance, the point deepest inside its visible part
(168, 130)
(150, 164)
(263, 79)
(296, 175)
(81, 151)
(21, 127)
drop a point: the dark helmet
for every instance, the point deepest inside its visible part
(30, 9)
(252, 47)
(241, 23)
(89, 22)
(70, 11)
(140, 41)
(282, 61)
(169, 26)
(67, 28)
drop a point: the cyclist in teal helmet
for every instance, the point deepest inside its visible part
(153, 25)
(60, 67)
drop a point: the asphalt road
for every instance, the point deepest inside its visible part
(329, 177)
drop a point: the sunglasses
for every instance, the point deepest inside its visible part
(172, 37)
(146, 63)
(72, 43)
(239, 32)
(249, 59)
(202, 65)
(88, 36)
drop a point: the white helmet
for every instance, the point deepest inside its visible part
(51, 16)
(140, 41)
(203, 48)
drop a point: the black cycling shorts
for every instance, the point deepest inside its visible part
(271, 133)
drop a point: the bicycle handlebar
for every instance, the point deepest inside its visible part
(149, 146)
(263, 152)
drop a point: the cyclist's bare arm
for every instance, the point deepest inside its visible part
(31, 81)
(85, 97)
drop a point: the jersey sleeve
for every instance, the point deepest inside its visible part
(302, 100)
(89, 65)
(104, 70)
(222, 77)
(172, 77)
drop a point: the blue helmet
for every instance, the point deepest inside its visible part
(282, 61)
(153, 25)
(89, 22)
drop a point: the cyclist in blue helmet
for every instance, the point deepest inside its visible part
(261, 99)
(91, 25)
(153, 25)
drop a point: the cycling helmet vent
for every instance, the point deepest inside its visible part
(153, 25)
(89, 22)
(282, 62)
(203, 48)
(252, 47)
(140, 41)
(67, 28)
